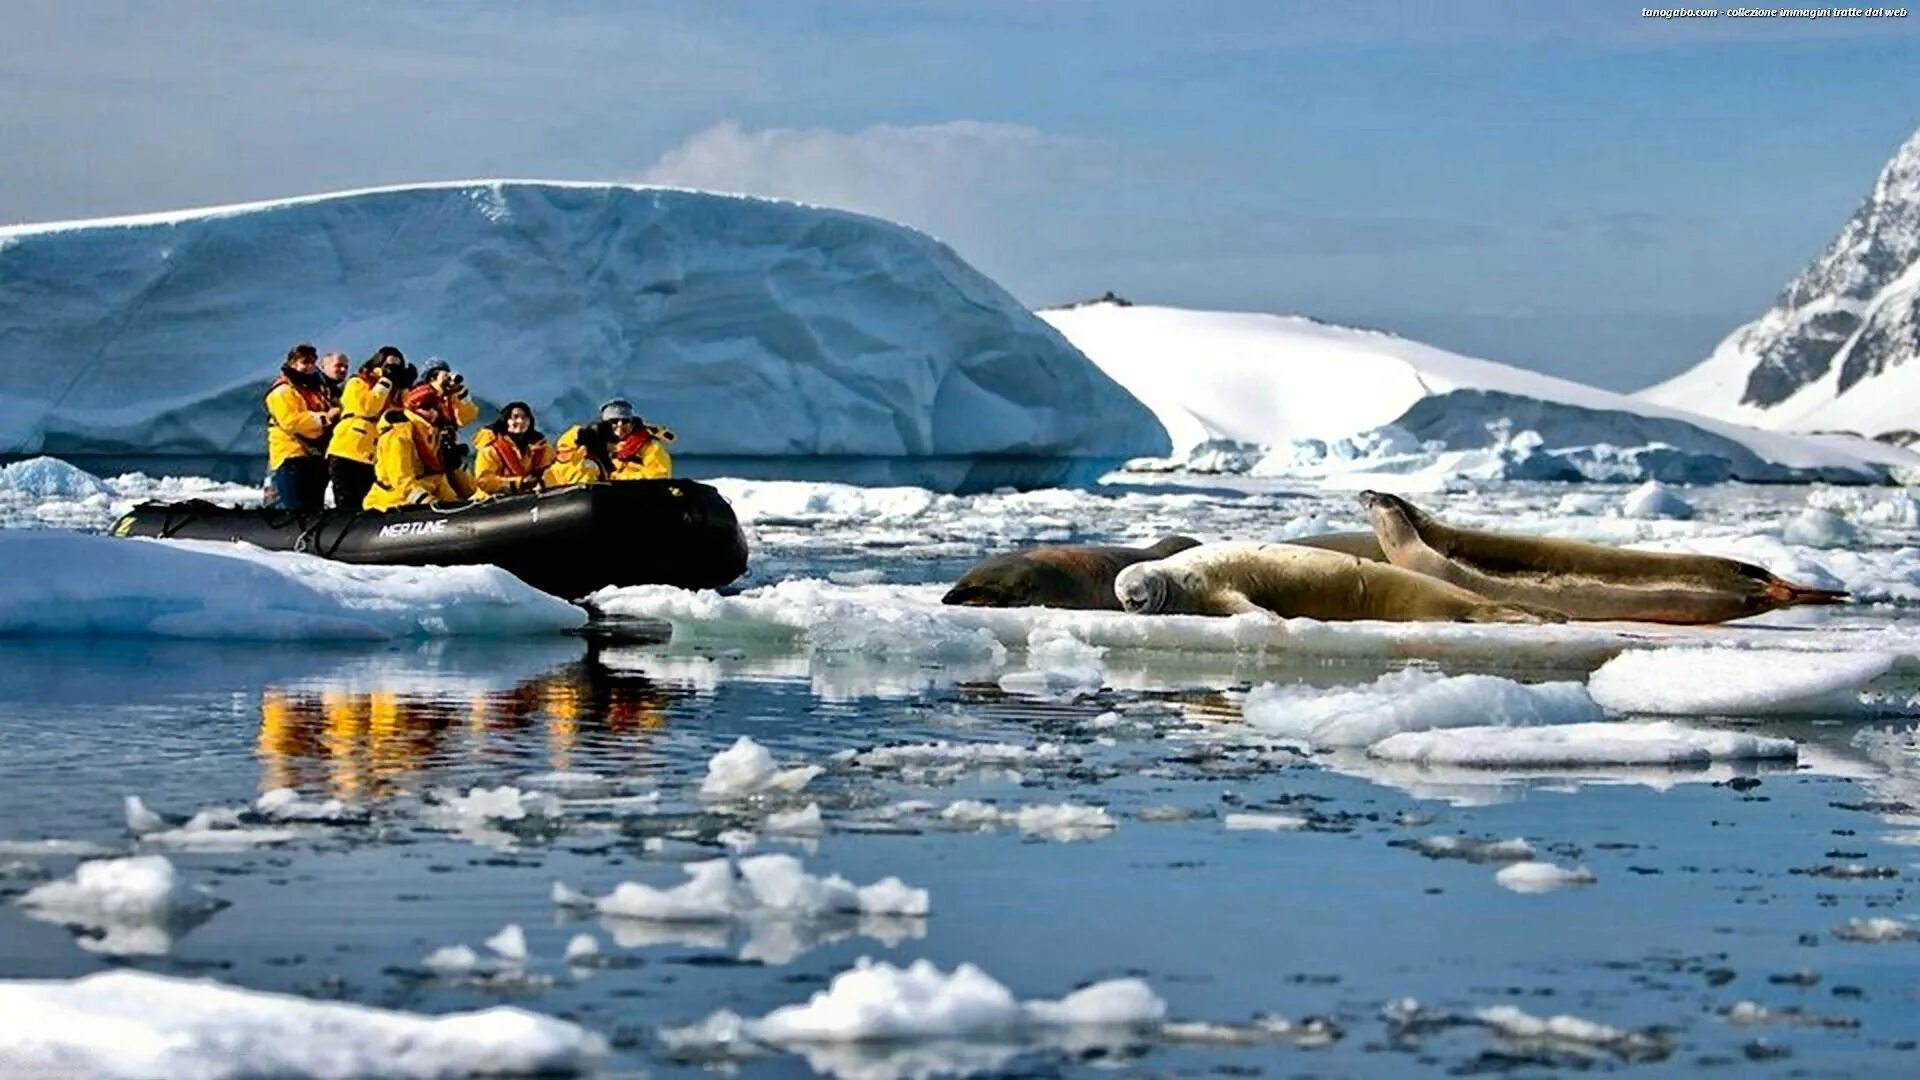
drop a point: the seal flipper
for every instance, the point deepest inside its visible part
(1515, 613)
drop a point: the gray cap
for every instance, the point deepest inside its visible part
(617, 409)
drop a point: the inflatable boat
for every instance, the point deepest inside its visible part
(568, 542)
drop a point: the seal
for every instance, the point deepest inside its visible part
(1294, 580)
(1589, 582)
(1059, 577)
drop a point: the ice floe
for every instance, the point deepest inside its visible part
(124, 907)
(1410, 700)
(68, 583)
(1263, 822)
(1063, 822)
(1058, 665)
(1607, 743)
(136, 1025)
(720, 890)
(1513, 1023)
(747, 768)
(1736, 682)
(1877, 929)
(1541, 877)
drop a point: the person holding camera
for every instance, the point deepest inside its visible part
(298, 415)
(364, 398)
(457, 407)
(415, 457)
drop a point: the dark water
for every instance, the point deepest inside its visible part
(1702, 898)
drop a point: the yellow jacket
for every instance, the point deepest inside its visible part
(644, 459)
(407, 468)
(460, 407)
(361, 405)
(571, 463)
(499, 465)
(296, 423)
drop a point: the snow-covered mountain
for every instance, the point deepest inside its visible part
(1285, 394)
(753, 327)
(1836, 350)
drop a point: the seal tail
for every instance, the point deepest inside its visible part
(1784, 593)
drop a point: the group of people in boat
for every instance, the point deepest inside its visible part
(388, 435)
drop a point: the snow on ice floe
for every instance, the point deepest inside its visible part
(1605, 743)
(1737, 682)
(1513, 1023)
(124, 907)
(1410, 700)
(135, 1025)
(1063, 822)
(67, 583)
(878, 1003)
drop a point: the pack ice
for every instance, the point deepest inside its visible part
(753, 327)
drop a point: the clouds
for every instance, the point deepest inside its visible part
(955, 180)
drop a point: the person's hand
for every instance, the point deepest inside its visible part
(333, 414)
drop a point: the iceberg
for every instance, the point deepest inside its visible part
(755, 328)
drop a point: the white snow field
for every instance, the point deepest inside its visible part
(1283, 395)
(134, 1025)
(752, 327)
(71, 583)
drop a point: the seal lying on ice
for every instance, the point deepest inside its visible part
(1060, 577)
(1586, 581)
(1293, 580)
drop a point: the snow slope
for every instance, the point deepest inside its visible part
(752, 327)
(1834, 352)
(1272, 380)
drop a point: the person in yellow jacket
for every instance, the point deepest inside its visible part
(365, 396)
(457, 407)
(298, 416)
(579, 457)
(636, 450)
(410, 457)
(510, 454)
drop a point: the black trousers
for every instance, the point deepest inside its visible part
(301, 484)
(351, 482)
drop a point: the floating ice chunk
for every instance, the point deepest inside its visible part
(451, 960)
(1654, 499)
(54, 846)
(1064, 821)
(1653, 743)
(1058, 664)
(973, 812)
(285, 804)
(1818, 528)
(130, 1024)
(510, 944)
(503, 803)
(746, 768)
(1735, 682)
(1513, 1023)
(571, 783)
(1754, 1014)
(1410, 700)
(68, 583)
(582, 950)
(873, 1002)
(1471, 849)
(1268, 822)
(718, 890)
(803, 822)
(48, 477)
(140, 819)
(1540, 877)
(1877, 929)
(131, 905)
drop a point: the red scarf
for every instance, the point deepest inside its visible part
(631, 446)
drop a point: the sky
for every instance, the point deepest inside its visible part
(1571, 187)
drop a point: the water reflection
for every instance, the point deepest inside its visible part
(361, 731)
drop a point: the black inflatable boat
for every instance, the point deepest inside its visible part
(568, 542)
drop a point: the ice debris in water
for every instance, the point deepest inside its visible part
(1654, 499)
(876, 1002)
(1058, 821)
(1754, 1014)
(510, 943)
(1540, 877)
(944, 762)
(1877, 929)
(503, 803)
(131, 906)
(1058, 665)
(49, 477)
(1471, 849)
(720, 890)
(1736, 682)
(1513, 1023)
(285, 804)
(1410, 700)
(1619, 743)
(746, 768)
(1814, 527)
(215, 828)
(1266, 822)
(805, 821)
(129, 1024)
(582, 950)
